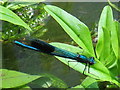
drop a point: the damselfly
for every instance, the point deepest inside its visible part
(44, 47)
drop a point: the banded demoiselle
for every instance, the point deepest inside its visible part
(44, 47)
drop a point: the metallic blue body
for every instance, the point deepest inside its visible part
(44, 47)
(21, 44)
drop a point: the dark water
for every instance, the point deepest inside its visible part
(31, 62)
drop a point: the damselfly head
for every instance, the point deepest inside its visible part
(92, 61)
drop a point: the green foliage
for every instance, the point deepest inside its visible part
(107, 35)
(73, 27)
(107, 65)
(96, 70)
(18, 5)
(117, 24)
(12, 79)
(8, 15)
(106, 48)
(34, 15)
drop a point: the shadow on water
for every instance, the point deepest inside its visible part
(28, 61)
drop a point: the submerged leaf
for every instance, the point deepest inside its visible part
(56, 82)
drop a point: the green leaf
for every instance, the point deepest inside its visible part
(8, 15)
(104, 27)
(114, 38)
(12, 79)
(117, 24)
(118, 31)
(77, 30)
(88, 83)
(110, 60)
(106, 45)
(97, 71)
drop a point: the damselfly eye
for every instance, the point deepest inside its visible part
(92, 61)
